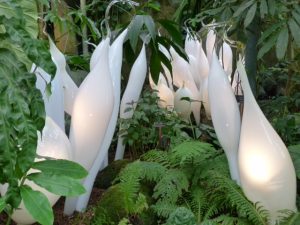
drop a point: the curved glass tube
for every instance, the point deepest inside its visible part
(266, 169)
(225, 114)
(52, 143)
(132, 93)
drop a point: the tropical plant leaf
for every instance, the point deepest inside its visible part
(173, 30)
(267, 46)
(57, 184)
(2, 204)
(272, 7)
(250, 15)
(282, 42)
(263, 8)
(61, 167)
(37, 205)
(134, 30)
(243, 7)
(295, 31)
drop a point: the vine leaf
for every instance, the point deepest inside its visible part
(250, 15)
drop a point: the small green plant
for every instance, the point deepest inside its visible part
(141, 132)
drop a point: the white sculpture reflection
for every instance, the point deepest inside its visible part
(55, 144)
(132, 93)
(225, 114)
(266, 169)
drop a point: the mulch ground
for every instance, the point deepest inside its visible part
(76, 219)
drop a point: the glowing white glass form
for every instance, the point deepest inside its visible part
(92, 111)
(194, 67)
(190, 45)
(96, 55)
(225, 114)
(182, 76)
(183, 107)
(132, 93)
(55, 144)
(115, 65)
(225, 57)
(69, 87)
(203, 72)
(266, 169)
(210, 43)
(166, 96)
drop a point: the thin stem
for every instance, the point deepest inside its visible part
(131, 3)
(84, 29)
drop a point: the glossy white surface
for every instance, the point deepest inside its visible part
(69, 87)
(92, 111)
(225, 114)
(183, 107)
(266, 169)
(132, 93)
(210, 43)
(166, 96)
(225, 57)
(53, 143)
(115, 64)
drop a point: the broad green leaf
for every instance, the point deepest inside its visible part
(295, 154)
(2, 204)
(268, 32)
(150, 25)
(242, 7)
(23, 7)
(267, 46)
(134, 30)
(295, 31)
(61, 167)
(250, 15)
(155, 64)
(173, 30)
(263, 8)
(272, 7)
(37, 205)
(57, 184)
(282, 42)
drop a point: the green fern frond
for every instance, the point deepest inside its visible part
(171, 186)
(209, 222)
(289, 218)
(161, 157)
(164, 208)
(230, 220)
(187, 152)
(236, 198)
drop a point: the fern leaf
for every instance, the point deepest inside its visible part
(237, 199)
(171, 186)
(161, 157)
(290, 218)
(189, 151)
(164, 208)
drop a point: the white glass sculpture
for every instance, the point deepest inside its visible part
(266, 169)
(225, 57)
(190, 45)
(182, 75)
(55, 144)
(210, 44)
(69, 87)
(183, 106)
(132, 93)
(225, 114)
(92, 111)
(115, 64)
(166, 96)
(203, 72)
